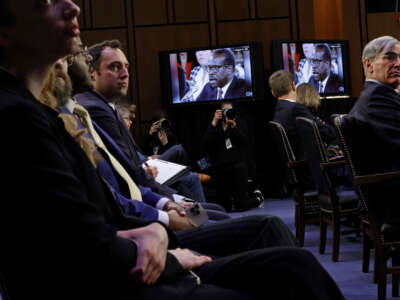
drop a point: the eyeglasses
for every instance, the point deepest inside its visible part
(215, 68)
(391, 56)
(316, 62)
(84, 52)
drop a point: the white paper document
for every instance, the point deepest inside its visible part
(168, 172)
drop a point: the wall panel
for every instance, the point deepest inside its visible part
(149, 42)
(191, 11)
(106, 16)
(261, 30)
(272, 8)
(150, 12)
(232, 10)
(382, 24)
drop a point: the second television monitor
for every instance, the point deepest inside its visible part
(203, 75)
(323, 64)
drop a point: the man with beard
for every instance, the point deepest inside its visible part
(223, 84)
(379, 108)
(323, 79)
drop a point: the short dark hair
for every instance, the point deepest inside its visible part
(325, 49)
(96, 50)
(226, 102)
(228, 54)
(280, 83)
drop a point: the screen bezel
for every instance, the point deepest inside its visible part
(257, 71)
(277, 61)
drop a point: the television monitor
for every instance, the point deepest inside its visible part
(211, 74)
(323, 63)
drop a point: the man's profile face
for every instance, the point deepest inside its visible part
(112, 77)
(385, 68)
(47, 30)
(62, 84)
(219, 73)
(320, 67)
(80, 63)
(203, 57)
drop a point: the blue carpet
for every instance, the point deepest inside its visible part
(354, 284)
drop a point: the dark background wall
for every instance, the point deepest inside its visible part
(146, 27)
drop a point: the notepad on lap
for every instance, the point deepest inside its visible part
(168, 172)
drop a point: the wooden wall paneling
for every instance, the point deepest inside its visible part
(232, 10)
(90, 37)
(105, 15)
(151, 40)
(170, 11)
(328, 18)
(294, 19)
(81, 17)
(88, 13)
(382, 24)
(352, 32)
(212, 22)
(363, 22)
(150, 12)
(306, 23)
(258, 30)
(272, 8)
(252, 8)
(191, 11)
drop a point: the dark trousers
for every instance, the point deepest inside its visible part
(274, 273)
(231, 183)
(236, 235)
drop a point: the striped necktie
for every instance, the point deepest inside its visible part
(83, 114)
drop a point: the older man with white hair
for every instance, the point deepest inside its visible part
(379, 107)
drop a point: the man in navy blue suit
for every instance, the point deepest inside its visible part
(223, 84)
(379, 107)
(323, 79)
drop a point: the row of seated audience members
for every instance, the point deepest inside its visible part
(377, 108)
(66, 234)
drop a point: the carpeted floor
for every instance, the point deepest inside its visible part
(354, 284)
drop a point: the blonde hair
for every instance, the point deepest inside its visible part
(71, 126)
(46, 96)
(308, 95)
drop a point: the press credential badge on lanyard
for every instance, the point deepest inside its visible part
(228, 144)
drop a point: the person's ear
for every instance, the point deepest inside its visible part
(368, 66)
(273, 94)
(293, 87)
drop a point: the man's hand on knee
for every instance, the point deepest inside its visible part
(188, 259)
(152, 243)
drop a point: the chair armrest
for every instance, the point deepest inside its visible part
(375, 178)
(333, 164)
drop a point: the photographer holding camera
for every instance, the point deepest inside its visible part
(226, 143)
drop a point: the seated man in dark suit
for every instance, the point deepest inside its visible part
(379, 107)
(287, 110)
(323, 79)
(223, 84)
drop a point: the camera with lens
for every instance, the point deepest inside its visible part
(228, 114)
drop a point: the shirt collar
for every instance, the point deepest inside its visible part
(290, 100)
(225, 88)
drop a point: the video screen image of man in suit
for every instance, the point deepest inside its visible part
(323, 79)
(223, 83)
